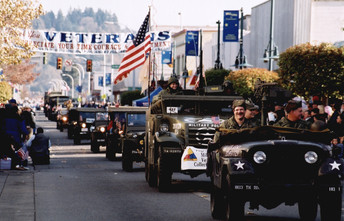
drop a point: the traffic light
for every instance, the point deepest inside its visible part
(89, 65)
(45, 58)
(59, 63)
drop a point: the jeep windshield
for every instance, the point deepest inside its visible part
(197, 105)
(87, 117)
(102, 116)
(137, 120)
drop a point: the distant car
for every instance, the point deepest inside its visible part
(126, 134)
(98, 131)
(267, 166)
(80, 122)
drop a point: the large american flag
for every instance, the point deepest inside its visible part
(135, 55)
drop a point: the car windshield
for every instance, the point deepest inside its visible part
(137, 119)
(87, 117)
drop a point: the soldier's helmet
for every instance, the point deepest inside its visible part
(172, 80)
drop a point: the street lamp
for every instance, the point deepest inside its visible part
(241, 60)
(79, 96)
(271, 52)
(89, 76)
(218, 64)
(68, 75)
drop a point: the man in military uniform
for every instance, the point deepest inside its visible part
(252, 113)
(293, 117)
(172, 88)
(238, 120)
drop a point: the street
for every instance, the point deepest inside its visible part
(80, 185)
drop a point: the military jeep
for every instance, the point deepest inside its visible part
(98, 131)
(179, 128)
(125, 134)
(80, 122)
(269, 166)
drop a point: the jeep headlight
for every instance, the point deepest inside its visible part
(64, 118)
(259, 157)
(134, 135)
(83, 125)
(311, 157)
(102, 129)
(163, 128)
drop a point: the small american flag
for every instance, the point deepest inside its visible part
(24, 154)
(216, 120)
(135, 55)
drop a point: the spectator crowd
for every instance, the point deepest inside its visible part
(20, 139)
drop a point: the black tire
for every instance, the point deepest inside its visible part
(308, 207)
(110, 152)
(127, 162)
(235, 206)
(151, 176)
(77, 141)
(94, 147)
(69, 133)
(163, 175)
(330, 206)
(217, 203)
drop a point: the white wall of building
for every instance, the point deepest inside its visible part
(327, 21)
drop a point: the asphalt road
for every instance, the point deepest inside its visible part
(82, 186)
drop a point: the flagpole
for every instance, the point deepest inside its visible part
(149, 69)
(201, 80)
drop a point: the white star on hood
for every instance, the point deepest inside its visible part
(335, 165)
(239, 165)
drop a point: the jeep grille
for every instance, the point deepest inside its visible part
(200, 136)
(286, 164)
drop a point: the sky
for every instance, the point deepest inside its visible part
(131, 13)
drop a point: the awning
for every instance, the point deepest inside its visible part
(144, 101)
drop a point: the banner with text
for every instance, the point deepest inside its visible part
(191, 45)
(90, 43)
(231, 26)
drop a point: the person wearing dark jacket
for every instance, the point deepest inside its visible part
(14, 126)
(39, 149)
(28, 117)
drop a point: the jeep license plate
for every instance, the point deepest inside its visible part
(100, 140)
(84, 129)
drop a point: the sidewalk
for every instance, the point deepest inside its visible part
(17, 198)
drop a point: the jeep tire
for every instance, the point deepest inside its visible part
(308, 207)
(127, 162)
(151, 175)
(234, 205)
(94, 146)
(163, 175)
(217, 203)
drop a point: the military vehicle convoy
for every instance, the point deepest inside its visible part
(178, 130)
(267, 166)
